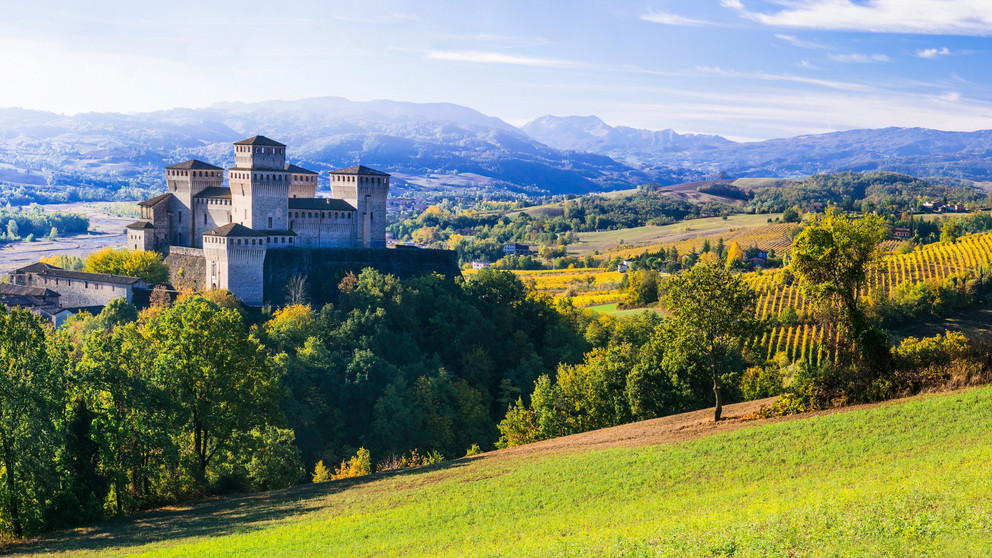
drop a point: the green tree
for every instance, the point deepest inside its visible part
(12, 230)
(30, 404)
(713, 308)
(219, 376)
(833, 258)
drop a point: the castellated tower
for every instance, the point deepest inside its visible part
(184, 181)
(366, 190)
(234, 256)
(260, 184)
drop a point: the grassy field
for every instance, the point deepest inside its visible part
(612, 309)
(607, 241)
(909, 478)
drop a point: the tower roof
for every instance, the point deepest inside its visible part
(260, 140)
(156, 200)
(214, 192)
(299, 170)
(140, 225)
(193, 164)
(359, 169)
(234, 229)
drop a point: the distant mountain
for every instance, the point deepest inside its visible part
(589, 133)
(105, 154)
(916, 151)
(437, 146)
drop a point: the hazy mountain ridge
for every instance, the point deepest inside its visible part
(50, 157)
(917, 151)
(118, 151)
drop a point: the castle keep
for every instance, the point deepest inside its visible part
(269, 205)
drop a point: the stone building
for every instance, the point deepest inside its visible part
(267, 205)
(77, 289)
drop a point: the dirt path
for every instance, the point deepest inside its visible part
(664, 430)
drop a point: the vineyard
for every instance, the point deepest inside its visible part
(776, 237)
(588, 286)
(934, 263)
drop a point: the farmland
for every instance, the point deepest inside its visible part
(908, 478)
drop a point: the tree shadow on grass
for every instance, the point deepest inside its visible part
(213, 517)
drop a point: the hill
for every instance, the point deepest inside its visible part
(907, 478)
(916, 151)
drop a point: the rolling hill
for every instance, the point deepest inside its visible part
(905, 478)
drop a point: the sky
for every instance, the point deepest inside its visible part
(743, 69)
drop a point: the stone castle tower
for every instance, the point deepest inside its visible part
(268, 205)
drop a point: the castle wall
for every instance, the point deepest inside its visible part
(187, 269)
(303, 185)
(209, 213)
(323, 229)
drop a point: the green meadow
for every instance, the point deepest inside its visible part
(909, 478)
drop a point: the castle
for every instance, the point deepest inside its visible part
(269, 205)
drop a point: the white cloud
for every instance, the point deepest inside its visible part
(858, 58)
(931, 17)
(405, 16)
(674, 19)
(839, 85)
(501, 58)
(797, 42)
(932, 53)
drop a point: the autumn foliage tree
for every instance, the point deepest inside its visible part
(139, 263)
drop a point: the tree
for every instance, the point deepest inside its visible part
(220, 377)
(735, 256)
(139, 263)
(12, 230)
(29, 405)
(712, 307)
(791, 215)
(296, 290)
(832, 258)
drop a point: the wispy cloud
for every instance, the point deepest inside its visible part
(840, 85)
(405, 16)
(858, 58)
(932, 53)
(931, 17)
(502, 58)
(797, 42)
(675, 19)
(501, 40)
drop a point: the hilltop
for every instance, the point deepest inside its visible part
(897, 479)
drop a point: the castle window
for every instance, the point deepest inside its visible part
(204, 218)
(270, 222)
(290, 240)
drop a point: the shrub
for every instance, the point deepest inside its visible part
(474, 450)
(321, 473)
(359, 465)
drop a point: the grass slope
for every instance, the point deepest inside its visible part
(910, 478)
(647, 235)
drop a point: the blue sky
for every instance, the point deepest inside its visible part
(744, 69)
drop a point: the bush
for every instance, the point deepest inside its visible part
(359, 465)
(474, 450)
(321, 473)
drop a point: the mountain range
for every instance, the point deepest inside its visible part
(438, 146)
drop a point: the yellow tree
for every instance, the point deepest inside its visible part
(735, 256)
